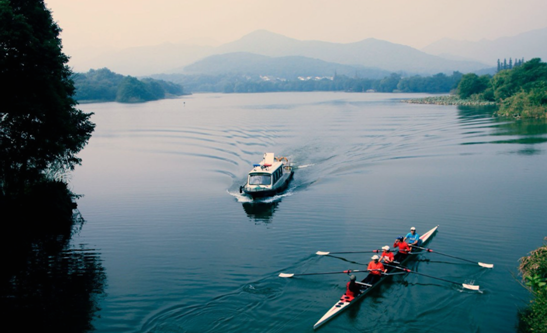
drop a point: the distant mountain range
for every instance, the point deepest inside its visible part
(528, 45)
(266, 53)
(372, 53)
(286, 67)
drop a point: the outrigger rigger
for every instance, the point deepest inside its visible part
(393, 268)
(345, 301)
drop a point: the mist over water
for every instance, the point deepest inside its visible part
(184, 251)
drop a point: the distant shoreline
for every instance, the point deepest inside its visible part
(449, 100)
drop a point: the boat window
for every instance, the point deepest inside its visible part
(277, 175)
(260, 179)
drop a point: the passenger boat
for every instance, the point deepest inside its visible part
(346, 301)
(269, 177)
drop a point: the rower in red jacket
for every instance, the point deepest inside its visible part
(403, 248)
(352, 289)
(376, 269)
(387, 256)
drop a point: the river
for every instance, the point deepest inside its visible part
(183, 251)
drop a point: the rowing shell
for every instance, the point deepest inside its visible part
(346, 301)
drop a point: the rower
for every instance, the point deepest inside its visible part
(403, 247)
(387, 256)
(412, 238)
(352, 289)
(376, 269)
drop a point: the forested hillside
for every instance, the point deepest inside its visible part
(102, 85)
(520, 91)
(438, 83)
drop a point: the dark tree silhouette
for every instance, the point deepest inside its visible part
(40, 127)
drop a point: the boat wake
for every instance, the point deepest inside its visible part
(303, 166)
(242, 198)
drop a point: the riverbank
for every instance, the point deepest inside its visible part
(449, 100)
(533, 269)
(523, 110)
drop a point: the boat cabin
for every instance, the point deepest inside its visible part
(267, 173)
(269, 177)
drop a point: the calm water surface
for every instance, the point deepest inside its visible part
(183, 251)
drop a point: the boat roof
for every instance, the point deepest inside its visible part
(268, 164)
(266, 168)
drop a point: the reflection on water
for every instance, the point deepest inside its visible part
(260, 211)
(468, 113)
(164, 208)
(47, 285)
(528, 132)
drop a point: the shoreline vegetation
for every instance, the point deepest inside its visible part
(519, 92)
(533, 269)
(103, 85)
(45, 285)
(449, 100)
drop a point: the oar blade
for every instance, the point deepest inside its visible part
(322, 253)
(486, 265)
(286, 275)
(470, 286)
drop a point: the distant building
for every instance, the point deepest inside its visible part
(272, 78)
(315, 78)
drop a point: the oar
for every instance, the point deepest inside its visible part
(363, 284)
(323, 253)
(289, 275)
(466, 286)
(448, 255)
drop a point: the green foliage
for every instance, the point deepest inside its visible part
(102, 85)
(169, 88)
(451, 100)
(389, 84)
(535, 263)
(534, 271)
(40, 128)
(488, 94)
(534, 317)
(97, 85)
(527, 104)
(524, 77)
(520, 92)
(131, 90)
(439, 83)
(536, 282)
(472, 84)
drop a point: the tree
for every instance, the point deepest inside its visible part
(40, 127)
(97, 85)
(523, 77)
(472, 84)
(131, 90)
(529, 104)
(389, 83)
(533, 269)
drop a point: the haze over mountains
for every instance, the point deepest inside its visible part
(528, 45)
(266, 53)
(286, 67)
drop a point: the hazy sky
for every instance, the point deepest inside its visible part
(417, 23)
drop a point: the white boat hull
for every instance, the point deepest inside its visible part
(345, 301)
